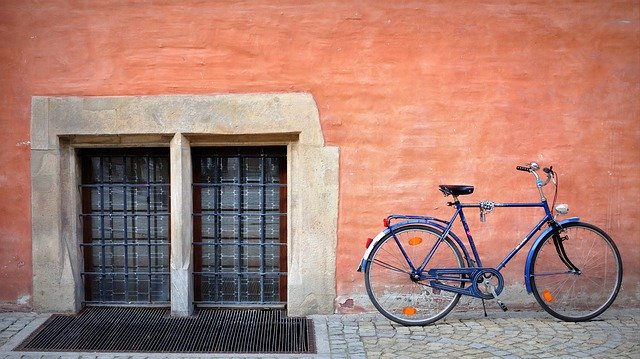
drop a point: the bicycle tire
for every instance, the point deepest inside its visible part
(576, 297)
(388, 281)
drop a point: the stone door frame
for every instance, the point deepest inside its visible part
(59, 125)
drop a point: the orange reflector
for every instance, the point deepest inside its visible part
(409, 311)
(415, 241)
(386, 222)
(547, 295)
(369, 240)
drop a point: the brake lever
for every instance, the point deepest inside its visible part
(550, 174)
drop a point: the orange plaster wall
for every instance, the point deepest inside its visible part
(413, 93)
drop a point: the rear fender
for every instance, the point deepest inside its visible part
(395, 227)
(538, 242)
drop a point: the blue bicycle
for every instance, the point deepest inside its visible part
(417, 269)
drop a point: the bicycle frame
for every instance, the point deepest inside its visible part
(548, 218)
(475, 267)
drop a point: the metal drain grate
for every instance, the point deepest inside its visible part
(112, 329)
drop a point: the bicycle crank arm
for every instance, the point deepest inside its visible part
(492, 289)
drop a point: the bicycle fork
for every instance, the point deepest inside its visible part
(557, 242)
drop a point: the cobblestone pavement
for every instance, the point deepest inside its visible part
(463, 335)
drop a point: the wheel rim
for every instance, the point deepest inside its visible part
(577, 296)
(391, 288)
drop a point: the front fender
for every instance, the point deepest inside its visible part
(429, 221)
(536, 244)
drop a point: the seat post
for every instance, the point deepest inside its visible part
(456, 201)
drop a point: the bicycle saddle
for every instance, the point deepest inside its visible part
(455, 190)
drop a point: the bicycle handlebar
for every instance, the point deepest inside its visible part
(530, 167)
(533, 167)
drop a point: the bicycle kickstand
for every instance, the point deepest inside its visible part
(484, 308)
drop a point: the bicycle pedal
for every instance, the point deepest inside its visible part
(503, 306)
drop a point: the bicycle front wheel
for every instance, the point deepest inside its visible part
(577, 275)
(388, 276)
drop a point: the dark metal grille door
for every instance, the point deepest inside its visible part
(240, 250)
(125, 216)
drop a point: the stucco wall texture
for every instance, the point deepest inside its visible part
(414, 94)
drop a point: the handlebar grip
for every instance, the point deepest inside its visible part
(522, 168)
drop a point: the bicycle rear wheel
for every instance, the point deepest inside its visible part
(388, 281)
(580, 295)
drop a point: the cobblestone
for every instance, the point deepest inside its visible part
(464, 335)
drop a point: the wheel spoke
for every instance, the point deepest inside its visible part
(391, 267)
